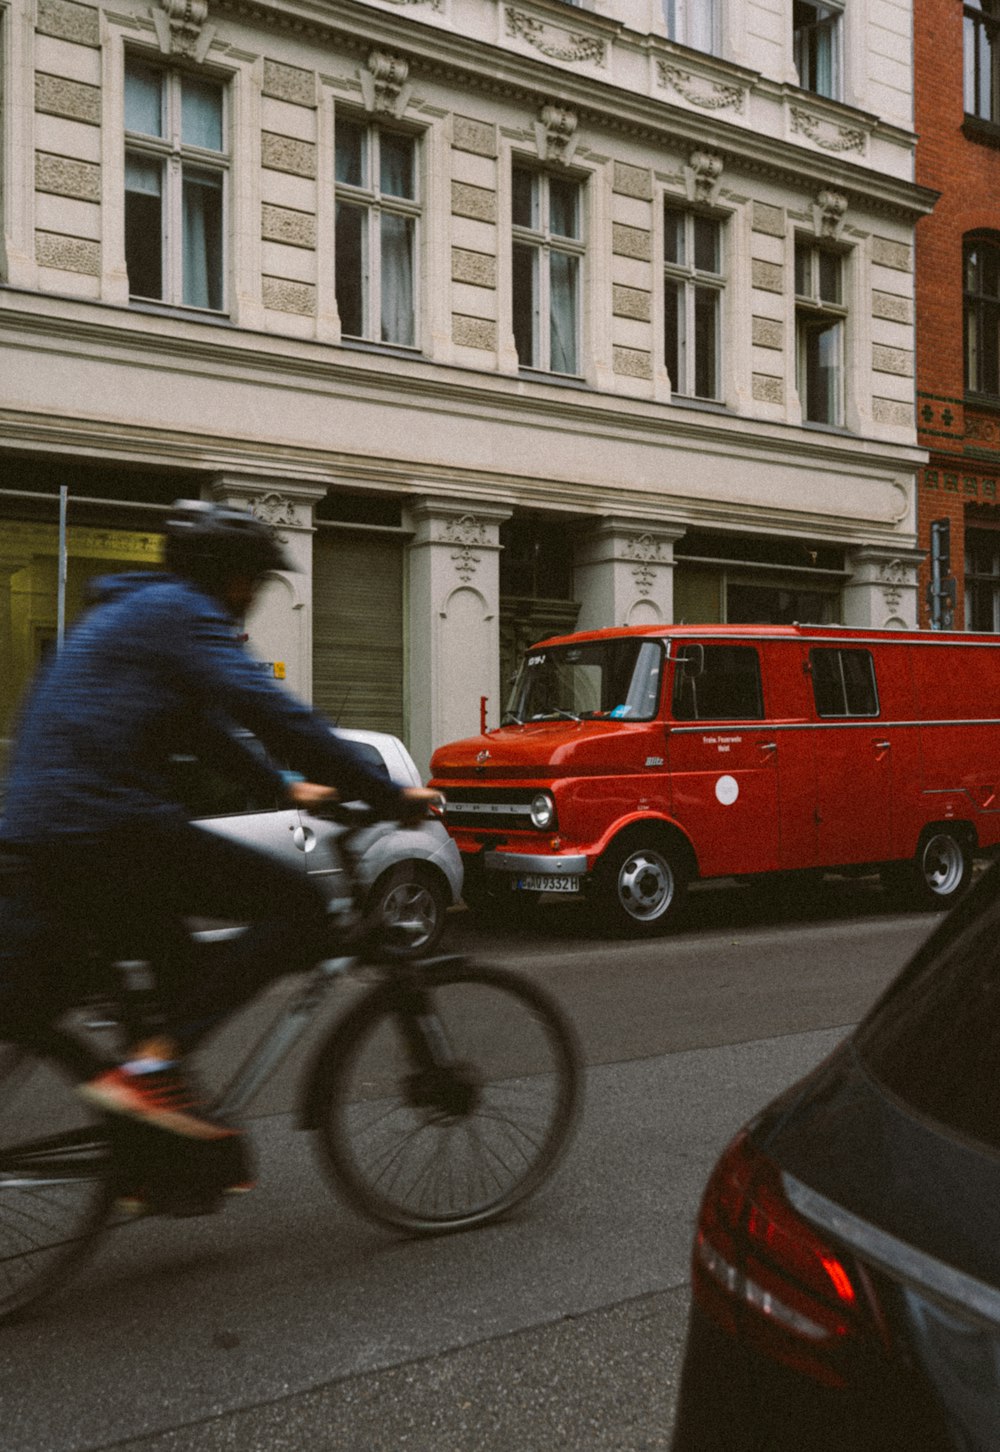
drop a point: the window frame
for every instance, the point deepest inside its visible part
(544, 242)
(805, 43)
(678, 19)
(975, 305)
(692, 279)
(840, 651)
(369, 197)
(177, 159)
(979, 23)
(813, 311)
(982, 583)
(684, 679)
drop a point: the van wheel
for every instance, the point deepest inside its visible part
(940, 871)
(638, 888)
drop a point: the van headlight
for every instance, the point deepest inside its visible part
(543, 811)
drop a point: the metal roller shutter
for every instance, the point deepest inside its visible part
(358, 630)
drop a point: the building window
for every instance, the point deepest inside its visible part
(982, 315)
(377, 219)
(176, 165)
(816, 40)
(819, 326)
(692, 260)
(982, 59)
(982, 580)
(547, 268)
(693, 23)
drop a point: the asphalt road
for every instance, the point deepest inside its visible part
(286, 1323)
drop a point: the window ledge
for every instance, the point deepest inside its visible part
(986, 133)
(701, 405)
(983, 402)
(167, 310)
(385, 350)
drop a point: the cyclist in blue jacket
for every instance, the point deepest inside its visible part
(155, 669)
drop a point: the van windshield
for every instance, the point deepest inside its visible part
(600, 679)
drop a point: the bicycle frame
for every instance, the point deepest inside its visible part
(277, 1041)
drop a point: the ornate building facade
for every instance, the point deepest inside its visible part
(957, 90)
(513, 316)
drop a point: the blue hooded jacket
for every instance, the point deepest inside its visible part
(151, 670)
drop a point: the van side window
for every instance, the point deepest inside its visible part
(727, 689)
(843, 682)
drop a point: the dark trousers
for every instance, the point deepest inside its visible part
(69, 908)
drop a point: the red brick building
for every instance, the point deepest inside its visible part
(957, 101)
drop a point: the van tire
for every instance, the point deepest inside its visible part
(639, 887)
(940, 870)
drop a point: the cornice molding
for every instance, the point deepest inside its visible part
(432, 52)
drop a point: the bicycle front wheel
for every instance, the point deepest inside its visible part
(432, 1148)
(55, 1181)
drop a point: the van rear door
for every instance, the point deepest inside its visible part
(723, 761)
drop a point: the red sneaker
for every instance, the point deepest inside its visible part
(160, 1097)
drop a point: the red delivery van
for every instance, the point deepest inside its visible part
(631, 762)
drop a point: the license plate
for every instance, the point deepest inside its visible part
(540, 882)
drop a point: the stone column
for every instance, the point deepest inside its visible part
(882, 590)
(454, 622)
(624, 574)
(280, 623)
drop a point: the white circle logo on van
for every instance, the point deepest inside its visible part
(727, 789)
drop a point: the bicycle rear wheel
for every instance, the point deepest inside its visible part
(55, 1181)
(430, 1150)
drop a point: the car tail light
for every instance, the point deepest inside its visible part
(763, 1273)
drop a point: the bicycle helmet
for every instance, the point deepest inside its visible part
(207, 542)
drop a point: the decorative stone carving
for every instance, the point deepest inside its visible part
(631, 302)
(179, 25)
(479, 137)
(65, 177)
(632, 363)
(828, 213)
(825, 134)
(474, 332)
(647, 553)
(285, 296)
(558, 45)
(634, 242)
(56, 96)
(383, 83)
(287, 153)
(467, 534)
(282, 224)
(702, 172)
(554, 130)
(892, 411)
(289, 83)
(893, 575)
(478, 269)
(767, 276)
(275, 510)
(67, 21)
(69, 254)
(633, 181)
(767, 388)
(889, 253)
(709, 95)
(983, 429)
(474, 202)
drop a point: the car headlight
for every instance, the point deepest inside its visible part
(543, 811)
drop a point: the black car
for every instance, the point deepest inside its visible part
(846, 1265)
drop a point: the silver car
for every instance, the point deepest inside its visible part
(413, 874)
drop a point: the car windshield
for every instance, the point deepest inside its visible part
(933, 1039)
(610, 679)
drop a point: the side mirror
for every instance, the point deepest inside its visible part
(691, 660)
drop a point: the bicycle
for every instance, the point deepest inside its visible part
(440, 1100)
